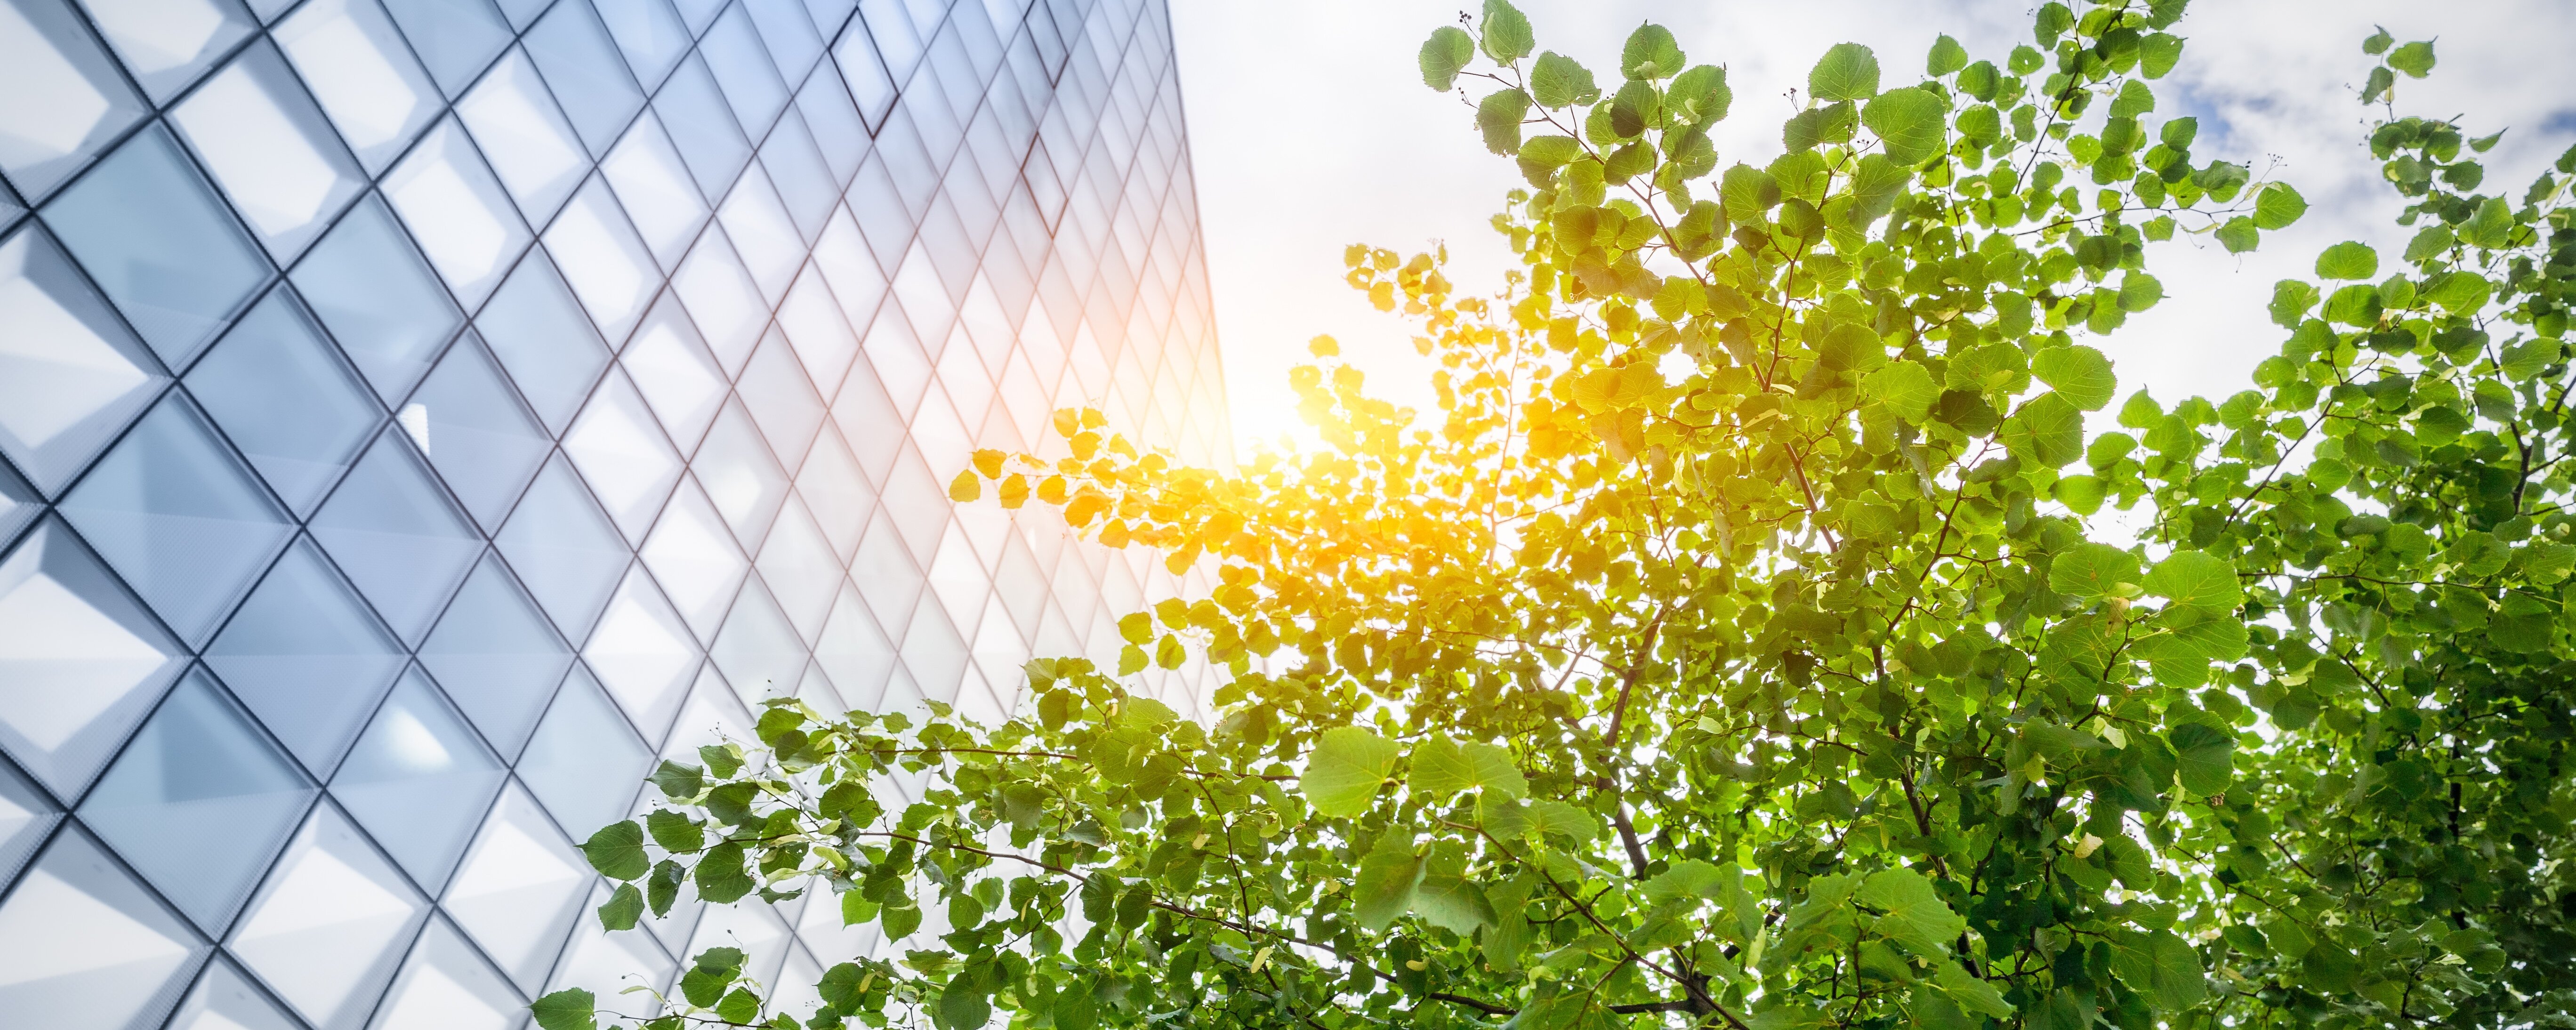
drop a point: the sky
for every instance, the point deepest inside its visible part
(1310, 129)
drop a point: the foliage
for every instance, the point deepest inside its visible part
(1742, 643)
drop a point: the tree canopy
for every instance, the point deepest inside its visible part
(1746, 640)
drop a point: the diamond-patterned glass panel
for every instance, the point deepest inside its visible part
(580, 418)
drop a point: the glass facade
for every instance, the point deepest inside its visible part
(419, 417)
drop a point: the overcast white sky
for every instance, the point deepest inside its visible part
(1312, 130)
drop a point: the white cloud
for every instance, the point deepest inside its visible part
(1310, 130)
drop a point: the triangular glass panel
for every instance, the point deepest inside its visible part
(445, 985)
(199, 803)
(80, 662)
(564, 548)
(282, 395)
(26, 814)
(497, 656)
(178, 518)
(839, 135)
(758, 225)
(477, 435)
(589, 78)
(82, 944)
(837, 493)
(458, 212)
(671, 367)
(695, 559)
(457, 39)
(378, 298)
(886, 575)
(86, 102)
(653, 184)
(621, 451)
(650, 35)
(751, 85)
(812, 320)
(227, 999)
(795, 166)
(330, 924)
(396, 536)
(721, 299)
(160, 244)
(584, 763)
(606, 262)
(740, 475)
(307, 658)
(521, 12)
(523, 134)
(788, 32)
(854, 651)
(642, 653)
(419, 780)
(538, 331)
(166, 43)
(801, 570)
(693, 110)
(520, 888)
(607, 963)
(71, 376)
(270, 149)
(363, 74)
(757, 650)
(774, 390)
(935, 654)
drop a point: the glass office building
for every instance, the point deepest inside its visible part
(420, 416)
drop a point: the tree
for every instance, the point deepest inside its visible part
(1736, 646)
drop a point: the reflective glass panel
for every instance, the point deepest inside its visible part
(281, 394)
(445, 985)
(740, 476)
(82, 944)
(606, 963)
(802, 573)
(496, 656)
(478, 436)
(837, 493)
(524, 136)
(166, 43)
(362, 72)
(378, 298)
(759, 228)
(330, 924)
(174, 514)
(788, 31)
(695, 559)
(676, 375)
(45, 53)
(457, 212)
(226, 999)
(654, 187)
(774, 390)
(80, 663)
(589, 78)
(307, 658)
(649, 33)
(796, 167)
(839, 135)
(599, 252)
(733, 52)
(642, 653)
(520, 888)
(812, 319)
(199, 803)
(758, 650)
(564, 548)
(623, 455)
(71, 376)
(694, 112)
(537, 329)
(585, 764)
(25, 814)
(842, 256)
(419, 780)
(854, 651)
(160, 244)
(456, 38)
(396, 535)
(270, 149)
(721, 299)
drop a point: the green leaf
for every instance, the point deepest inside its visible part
(1444, 55)
(1908, 122)
(2079, 374)
(1077, 1008)
(1443, 769)
(1947, 56)
(2197, 582)
(723, 760)
(1389, 876)
(1550, 816)
(1506, 32)
(617, 851)
(1969, 992)
(1688, 878)
(721, 877)
(1445, 898)
(1344, 773)
(2348, 260)
(679, 782)
(963, 1005)
(1650, 53)
(2158, 53)
(899, 922)
(1905, 387)
(2278, 206)
(2415, 59)
(2055, 741)
(2238, 235)
(623, 908)
(675, 832)
(839, 987)
(572, 1009)
(1551, 151)
(2205, 757)
(1499, 116)
(2138, 292)
(1915, 914)
(2091, 570)
(1557, 81)
(1699, 95)
(2046, 430)
(2291, 300)
(1848, 71)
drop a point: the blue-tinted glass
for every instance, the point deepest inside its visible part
(479, 437)
(774, 390)
(864, 73)
(174, 514)
(697, 13)
(160, 243)
(585, 763)
(908, 161)
(306, 657)
(694, 112)
(733, 52)
(86, 102)
(418, 781)
(88, 946)
(26, 813)
(396, 536)
(72, 376)
(758, 650)
(496, 656)
(199, 803)
(830, 15)
(651, 35)
(279, 391)
(838, 134)
(895, 34)
(740, 475)
(788, 32)
(377, 297)
(577, 58)
(805, 183)
(879, 208)
(537, 329)
(564, 548)
(19, 504)
(456, 39)
(521, 12)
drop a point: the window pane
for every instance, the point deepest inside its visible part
(478, 436)
(85, 945)
(165, 43)
(676, 375)
(758, 651)
(695, 560)
(589, 78)
(80, 663)
(599, 252)
(496, 656)
(225, 999)
(456, 38)
(395, 535)
(525, 137)
(44, 53)
(649, 33)
(330, 924)
(419, 780)
(445, 984)
(733, 51)
(642, 653)
(282, 395)
(270, 150)
(160, 244)
(564, 548)
(585, 763)
(694, 112)
(654, 187)
(306, 656)
(182, 521)
(543, 340)
(378, 298)
(520, 888)
(457, 212)
(364, 75)
(71, 376)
